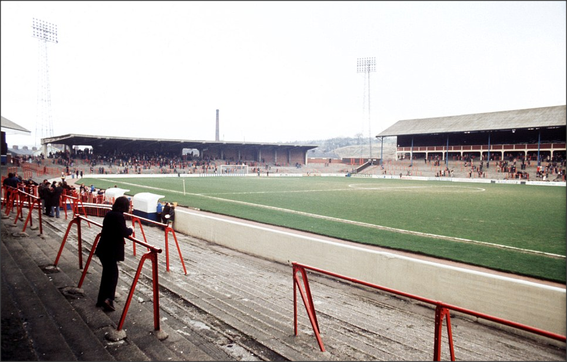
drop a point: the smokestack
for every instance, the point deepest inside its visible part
(217, 132)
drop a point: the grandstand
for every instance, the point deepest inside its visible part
(235, 152)
(535, 134)
(527, 144)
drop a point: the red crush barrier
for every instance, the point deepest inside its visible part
(150, 255)
(75, 202)
(19, 198)
(101, 209)
(441, 310)
(167, 229)
(10, 197)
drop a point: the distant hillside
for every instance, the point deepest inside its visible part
(349, 147)
(388, 151)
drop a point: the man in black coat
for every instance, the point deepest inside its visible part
(44, 191)
(56, 191)
(110, 251)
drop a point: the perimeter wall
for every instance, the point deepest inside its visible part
(536, 305)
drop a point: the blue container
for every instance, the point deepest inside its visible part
(146, 215)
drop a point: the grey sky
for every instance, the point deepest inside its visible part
(277, 71)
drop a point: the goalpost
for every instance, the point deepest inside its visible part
(233, 169)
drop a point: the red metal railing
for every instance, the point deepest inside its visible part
(102, 209)
(10, 197)
(19, 198)
(441, 310)
(150, 255)
(75, 203)
(167, 229)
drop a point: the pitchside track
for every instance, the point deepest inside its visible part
(513, 228)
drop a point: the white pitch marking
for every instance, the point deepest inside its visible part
(358, 223)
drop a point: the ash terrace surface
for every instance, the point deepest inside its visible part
(229, 306)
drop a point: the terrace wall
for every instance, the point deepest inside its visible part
(529, 303)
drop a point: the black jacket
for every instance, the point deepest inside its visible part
(12, 181)
(56, 195)
(114, 230)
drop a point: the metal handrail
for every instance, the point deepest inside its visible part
(75, 201)
(151, 255)
(18, 196)
(167, 229)
(441, 310)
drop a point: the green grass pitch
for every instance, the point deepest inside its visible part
(514, 228)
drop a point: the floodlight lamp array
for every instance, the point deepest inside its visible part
(366, 65)
(44, 31)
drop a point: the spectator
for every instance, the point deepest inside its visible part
(110, 251)
(12, 180)
(165, 213)
(57, 190)
(45, 195)
(159, 210)
(170, 216)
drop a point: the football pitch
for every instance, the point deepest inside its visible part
(514, 228)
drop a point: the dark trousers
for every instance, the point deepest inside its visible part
(108, 280)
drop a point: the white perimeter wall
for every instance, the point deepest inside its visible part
(528, 303)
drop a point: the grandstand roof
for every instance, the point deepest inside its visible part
(544, 117)
(11, 127)
(142, 144)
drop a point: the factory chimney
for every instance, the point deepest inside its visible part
(217, 132)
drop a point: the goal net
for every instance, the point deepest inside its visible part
(234, 169)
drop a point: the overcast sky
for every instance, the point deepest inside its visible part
(277, 71)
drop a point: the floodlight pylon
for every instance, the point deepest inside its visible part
(367, 65)
(45, 32)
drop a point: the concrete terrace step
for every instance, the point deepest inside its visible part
(65, 278)
(79, 328)
(206, 342)
(56, 331)
(233, 306)
(249, 302)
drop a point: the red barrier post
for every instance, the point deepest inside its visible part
(64, 198)
(75, 206)
(440, 313)
(32, 201)
(18, 204)
(169, 229)
(135, 220)
(155, 281)
(93, 249)
(10, 199)
(74, 221)
(442, 310)
(12, 196)
(307, 301)
(152, 256)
